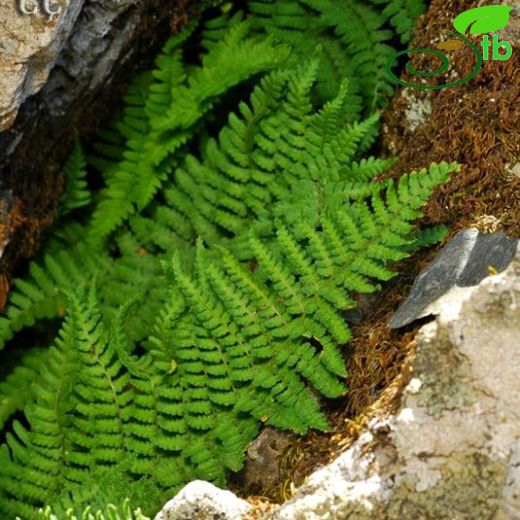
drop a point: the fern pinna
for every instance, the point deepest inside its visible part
(203, 295)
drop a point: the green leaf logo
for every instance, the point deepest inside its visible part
(488, 18)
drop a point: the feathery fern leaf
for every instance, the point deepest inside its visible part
(33, 459)
(273, 142)
(402, 15)
(16, 390)
(352, 36)
(156, 131)
(111, 512)
(39, 297)
(77, 194)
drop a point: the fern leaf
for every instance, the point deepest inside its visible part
(16, 390)
(77, 194)
(39, 297)
(158, 137)
(402, 15)
(33, 459)
(111, 512)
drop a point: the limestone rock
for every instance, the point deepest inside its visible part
(201, 500)
(453, 448)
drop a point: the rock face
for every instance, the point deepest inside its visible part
(261, 470)
(463, 262)
(34, 36)
(200, 500)
(453, 449)
(31, 42)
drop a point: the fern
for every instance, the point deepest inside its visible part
(77, 194)
(204, 296)
(231, 348)
(153, 135)
(38, 297)
(353, 37)
(16, 390)
(271, 143)
(299, 26)
(111, 512)
(402, 14)
(32, 459)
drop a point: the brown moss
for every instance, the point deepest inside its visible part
(476, 124)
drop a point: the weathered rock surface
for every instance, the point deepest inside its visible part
(262, 468)
(453, 449)
(200, 500)
(30, 44)
(463, 262)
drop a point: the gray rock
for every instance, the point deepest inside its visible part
(29, 47)
(97, 43)
(262, 468)
(452, 449)
(201, 500)
(82, 42)
(463, 262)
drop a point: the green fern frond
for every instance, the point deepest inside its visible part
(33, 458)
(352, 36)
(402, 15)
(361, 29)
(111, 512)
(77, 194)
(272, 142)
(100, 395)
(230, 247)
(160, 133)
(430, 236)
(38, 296)
(300, 27)
(116, 199)
(215, 29)
(16, 390)
(98, 494)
